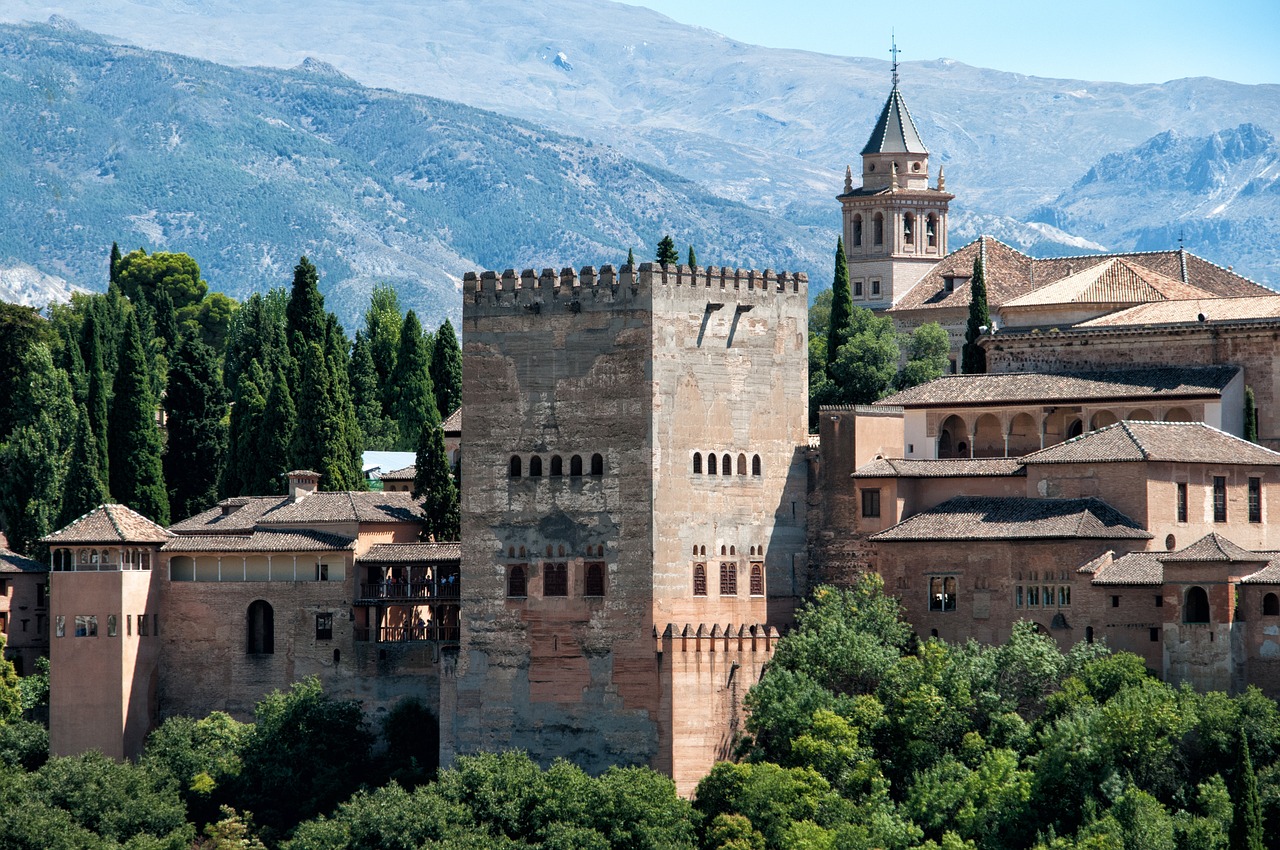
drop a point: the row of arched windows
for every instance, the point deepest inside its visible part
(723, 465)
(729, 579)
(559, 551)
(727, 550)
(908, 229)
(64, 560)
(555, 466)
(555, 580)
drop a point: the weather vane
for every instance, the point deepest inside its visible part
(894, 51)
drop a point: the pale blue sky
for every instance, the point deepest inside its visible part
(1132, 41)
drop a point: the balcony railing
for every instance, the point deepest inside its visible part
(385, 591)
(405, 634)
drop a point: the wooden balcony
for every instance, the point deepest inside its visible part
(392, 593)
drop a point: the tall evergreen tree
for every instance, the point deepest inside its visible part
(109, 312)
(415, 403)
(446, 370)
(380, 432)
(1246, 818)
(1250, 415)
(693, 258)
(631, 258)
(113, 270)
(382, 323)
(433, 484)
(973, 358)
(98, 389)
(318, 442)
(349, 439)
(249, 404)
(840, 326)
(197, 448)
(305, 317)
(135, 445)
(667, 253)
(257, 332)
(84, 489)
(275, 436)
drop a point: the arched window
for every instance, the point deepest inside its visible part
(575, 466)
(755, 465)
(557, 466)
(515, 466)
(728, 578)
(711, 463)
(857, 231)
(146, 559)
(697, 463)
(704, 550)
(1270, 605)
(516, 584)
(1088, 634)
(699, 579)
(909, 229)
(931, 230)
(1196, 608)
(1076, 429)
(742, 464)
(593, 583)
(84, 556)
(877, 233)
(597, 464)
(555, 579)
(757, 579)
(535, 467)
(727, 466)
(262, 629)
(93, 556)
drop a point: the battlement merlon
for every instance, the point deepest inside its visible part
(572, 289)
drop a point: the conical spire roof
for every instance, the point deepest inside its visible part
(895, 132)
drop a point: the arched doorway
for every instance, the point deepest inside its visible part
(953, 438)
(988, 437)
(1196, 607)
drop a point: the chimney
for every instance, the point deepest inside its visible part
(302, 483)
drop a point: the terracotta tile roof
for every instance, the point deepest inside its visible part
(895, 132)
(1112, 281)
(346, 506)
(1179, 442)
(896, 467)
(1213, 547)
(1270, 574)
(1062, 387)
(1134, 568)
(109, 524)
(12, 562)
(301, 540)
(411, 553)
(1016, 518)
(235, 516)
(453, 425)
(1201, 273)
(406, 474)
(1255, 308)
(301, 473)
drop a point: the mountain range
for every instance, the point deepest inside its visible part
(770, 131)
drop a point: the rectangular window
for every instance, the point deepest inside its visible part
(699, 579)
(5, 586)
(1255, 500)
(555, 580)
(1115, 602)
(1064, 596)
(42, 595)
(757, 578)
(4, 622)
(60, 626)
(1155, 635)
(113, 625)
(1033, 596)
(728, 578)
(871, 502)
(324, 626)
(86, 625)
(1182, 501)
(857, 289)
(128, 625)
(322, 572)
(1159, 601)
(1017, 597)
(942, 593)
(875, 288)
(1219, 498)
(142, 625)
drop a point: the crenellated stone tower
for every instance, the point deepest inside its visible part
(633, 520)
(895, 224)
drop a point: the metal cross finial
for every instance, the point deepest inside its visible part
(894, 51)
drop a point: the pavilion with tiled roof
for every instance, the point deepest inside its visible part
(1015, 518)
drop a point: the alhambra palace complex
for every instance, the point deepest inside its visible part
(644, 508)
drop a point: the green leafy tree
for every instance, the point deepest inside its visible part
(415, 404)
(820, 314)
(1246, 819)
(667, 253)
(973, 358)
(203, 757)
(143, 277)
(841, 320)
(305, 320)
(136, 446)
(433, 484)
(1250, 415)
(382, 322)
(864, 368)
(10, 691)
(211, 319)
(446, 370)
(21, 330)
(84, 489)
(380, 432)
(256, 332)
(928, 348)
(24, 745)
(197, 407)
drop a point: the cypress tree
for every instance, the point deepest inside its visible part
(83, 490)
(98, 388)
(110, 310)
(667, 253)
(166, 320)
(318, 441)
(631, 258)
(349, 439)
(415, 402)
(1246, 811)
(304, 317)
(446, 370)
(249, 397)
(379, 431)
(433, 484)
(839, 326)
(382, 323)
(693, 258)
(197, 449)
(1250, 415)
(973, 358)
(135, 444)
(275, 435)
(113, 270)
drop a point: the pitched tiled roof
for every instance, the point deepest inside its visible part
(12, 562)
(1201, 273)
(1112, 281)
(109, 524)
(1189, 311)
(346, 506)
(1063, 387)
(235, 516)
(896, 467)
(453, 425)
(894, 132)
(1213, 547)
(300, 540)
(411, 553)
(1180, 442)
(1016, 518)
(1134, 568)
(1270, 574)
(406, 474)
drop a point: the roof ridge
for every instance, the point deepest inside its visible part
(111, 517)
(1146, 454)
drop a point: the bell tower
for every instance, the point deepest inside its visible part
(895, 223)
